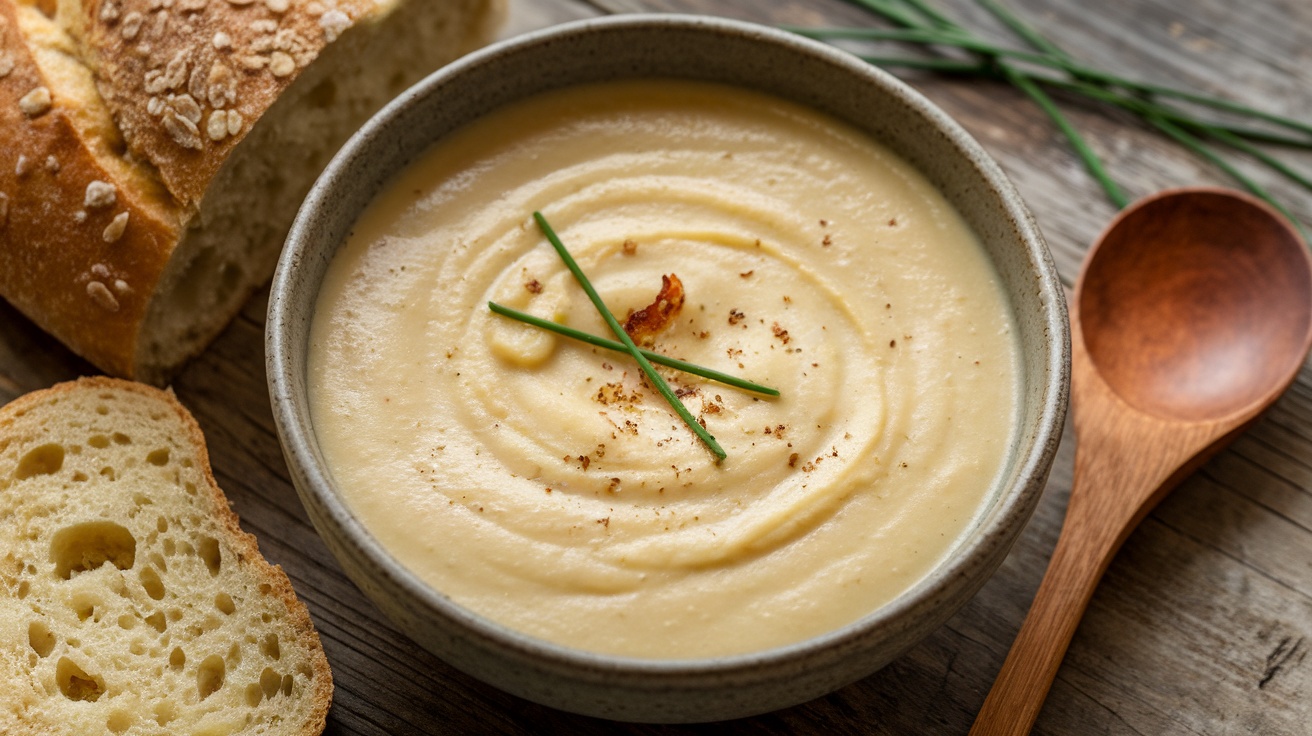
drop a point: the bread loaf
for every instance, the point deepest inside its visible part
(154, 152)
(130, 600)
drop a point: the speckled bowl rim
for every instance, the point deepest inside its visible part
(999, 523)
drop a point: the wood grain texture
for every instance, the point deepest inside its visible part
(1203, 621)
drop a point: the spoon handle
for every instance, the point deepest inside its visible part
(1026, 676)
(1124, 464)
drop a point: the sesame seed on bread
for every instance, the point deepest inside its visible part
(131, 602)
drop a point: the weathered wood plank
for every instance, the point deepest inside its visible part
(530, 15)
(1203, 622)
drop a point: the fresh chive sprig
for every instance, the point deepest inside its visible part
(1158, 116)
(1048, 66)
(615, 327)
(655, 357)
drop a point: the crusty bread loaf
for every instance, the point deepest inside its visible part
(154, 152)
(130, 600)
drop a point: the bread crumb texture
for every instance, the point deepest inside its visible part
(130, 600)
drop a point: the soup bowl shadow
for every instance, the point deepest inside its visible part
(754, 58)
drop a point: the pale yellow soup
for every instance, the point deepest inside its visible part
(542, 483)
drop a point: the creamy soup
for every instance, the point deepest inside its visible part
(542, 483)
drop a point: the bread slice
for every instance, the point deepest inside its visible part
(130, 600)
(154, 152)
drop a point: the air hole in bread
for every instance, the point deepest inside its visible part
(270, 682)
(396, 83)
(162, 525)
(269, 647)
(121, 439)
(89, 545)
(151, 582)
(159, 457)
(102, 410)
(98, 441)
(195, 280)
(253, 695)
(44, 460)
(156, 620)
(119, 721)
(287, 683)
(191, 488)
(177, 658)
(324, 94)
(157, 560)
(84, 605)
(40, 639)
(127, 622)
(164, 713)
(209, 676)
(79, 477)
(209, 551)
(23, 589)
(230, 279)
(76, 684)
(224, 603)
(109, 473)
(170, 548)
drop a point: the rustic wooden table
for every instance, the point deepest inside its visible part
(1201, 625)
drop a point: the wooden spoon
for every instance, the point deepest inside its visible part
(1193, 312)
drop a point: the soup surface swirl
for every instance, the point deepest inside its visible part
(542, 483)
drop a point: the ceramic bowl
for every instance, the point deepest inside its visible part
(697, 48)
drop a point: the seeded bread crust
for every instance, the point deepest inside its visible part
(153, 152)
(173, 76)
(64, 673)
(62, 257)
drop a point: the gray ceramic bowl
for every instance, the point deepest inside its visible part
(704, 49)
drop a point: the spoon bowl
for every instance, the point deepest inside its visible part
(1194, 304)
(1193, 313)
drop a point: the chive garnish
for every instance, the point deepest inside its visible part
(1048, 66)
(601, 342)
(652, 375)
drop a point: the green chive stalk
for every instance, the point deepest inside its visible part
(601, 342)
(652, 376)
(921, 24)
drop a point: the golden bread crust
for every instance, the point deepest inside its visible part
(153, 152)
(82, 240)
(186, 80)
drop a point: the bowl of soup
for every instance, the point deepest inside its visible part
(528, 505)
